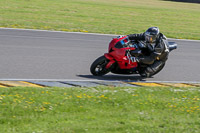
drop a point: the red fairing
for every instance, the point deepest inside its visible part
(114, 41)
(112, 61)
(108, 56)
(118, 54)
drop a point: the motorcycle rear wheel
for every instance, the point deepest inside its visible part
(98, 67)
(147, 76)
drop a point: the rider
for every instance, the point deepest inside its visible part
(155, 43)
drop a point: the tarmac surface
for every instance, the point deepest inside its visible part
(54, 56)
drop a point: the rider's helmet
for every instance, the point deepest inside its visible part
(151, 34)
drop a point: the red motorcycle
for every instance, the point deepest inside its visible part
(120, 58)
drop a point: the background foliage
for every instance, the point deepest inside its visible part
(175, 19)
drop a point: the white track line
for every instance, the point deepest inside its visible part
(85, 33)
(59, 31)
(95, 80)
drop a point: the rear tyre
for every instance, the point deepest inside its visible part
(160, 68)
(98, 67)
(145, 74)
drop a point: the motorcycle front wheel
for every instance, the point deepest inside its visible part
(98, 67)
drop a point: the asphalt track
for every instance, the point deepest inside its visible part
(28, 54)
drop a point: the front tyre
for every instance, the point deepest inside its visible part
(98, 67)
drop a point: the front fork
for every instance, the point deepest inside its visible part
(111, 60)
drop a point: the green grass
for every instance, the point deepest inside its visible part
(100, 110)
(175, 19)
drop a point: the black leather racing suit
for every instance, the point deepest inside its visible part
(156, 56)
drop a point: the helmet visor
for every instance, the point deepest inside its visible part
(150, 38)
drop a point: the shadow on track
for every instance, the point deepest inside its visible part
(114, 77)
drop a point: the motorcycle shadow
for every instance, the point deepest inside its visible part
(114, 77)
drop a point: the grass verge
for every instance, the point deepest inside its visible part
(175, 19)
(100, 109)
